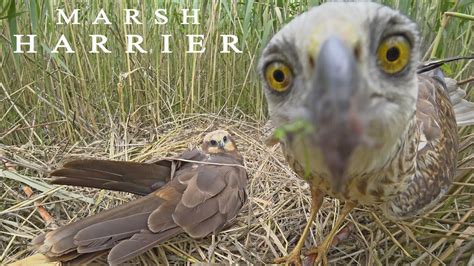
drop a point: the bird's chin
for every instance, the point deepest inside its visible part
(370, 152)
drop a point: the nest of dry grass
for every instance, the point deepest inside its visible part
(268, 225)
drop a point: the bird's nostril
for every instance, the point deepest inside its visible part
(376, 95)
(357, 51)
(311, 61)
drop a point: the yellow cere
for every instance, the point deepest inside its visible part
(342, 28)
(278, 76)
(393, 54)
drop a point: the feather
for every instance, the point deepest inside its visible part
(161, 219)
(138, 244)
(207, 183)
(187, 217)
(463, 109)
(137, 178)
(104, 184)
(61, 240)
(82, 259)
(211, 225)
(104, 235)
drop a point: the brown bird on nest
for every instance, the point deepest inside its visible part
(356, 116)
(206, 189)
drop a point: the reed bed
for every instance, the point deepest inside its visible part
(48, 96)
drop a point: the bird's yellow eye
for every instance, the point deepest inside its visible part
(278, 76)
(393, 54)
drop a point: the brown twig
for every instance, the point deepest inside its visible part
(465, 81)
(48, 219)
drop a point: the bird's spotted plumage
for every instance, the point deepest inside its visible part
(375, 132)
(197, 193)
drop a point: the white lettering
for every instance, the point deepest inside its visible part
(62, 43)
(131, 43)
(101, 16)
(192, 43)
(96, 43)
(194, 16)
(131, 14)
(62, 16)
(160, 17)
(229, 41)
(30, 43)
(166, 44)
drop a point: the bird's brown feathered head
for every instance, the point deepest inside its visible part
(219, 141)
(348, 70)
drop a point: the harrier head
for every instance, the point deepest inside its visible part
(219, 141)
(348, 71)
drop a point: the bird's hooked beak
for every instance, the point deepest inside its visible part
(333, 104)
(221, 144)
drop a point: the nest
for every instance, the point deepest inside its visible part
(267, 227)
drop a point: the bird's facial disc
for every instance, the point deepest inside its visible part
(219, 141)
(348, 70)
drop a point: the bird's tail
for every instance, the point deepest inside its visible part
(137, 178)
(463, 109)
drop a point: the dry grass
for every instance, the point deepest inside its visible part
(138, 106)
(268, 225)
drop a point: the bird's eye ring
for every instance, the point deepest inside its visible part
(278, 76)
(393, 54)
(213, 142)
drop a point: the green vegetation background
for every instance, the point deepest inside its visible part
(46, 98)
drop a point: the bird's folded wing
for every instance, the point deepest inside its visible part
(463, 109)
(213, 195)
(139, 243)
(100, 231)
(199, 201)
(139, 238)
